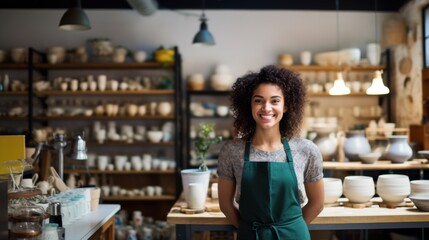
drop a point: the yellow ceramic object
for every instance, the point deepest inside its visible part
(12, 152)
(164, 55)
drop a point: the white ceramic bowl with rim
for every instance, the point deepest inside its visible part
(369, 158)
(393, 188)
(419, 187)
(421, 202)
(333, 190)
(155, 136)
(358, 189)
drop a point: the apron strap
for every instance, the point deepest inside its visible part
(256, 226)
(287, 150)
(247, 152)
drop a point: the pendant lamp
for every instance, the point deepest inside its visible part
(377, 86)
(203, 36)
(74, 19)
(340, 87)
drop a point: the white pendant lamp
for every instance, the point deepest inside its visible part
(339, 87)
(377, 86)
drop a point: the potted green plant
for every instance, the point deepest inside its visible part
(205, 139)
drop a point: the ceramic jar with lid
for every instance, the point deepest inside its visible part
(398, 150)
(355, 144)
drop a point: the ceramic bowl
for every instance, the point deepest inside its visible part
(393, 188)
(421, 202)
(358, 189)
(324, 128)
(419, 187)
(350, 56)
(333, 189)
(155, 136)
(369, 158)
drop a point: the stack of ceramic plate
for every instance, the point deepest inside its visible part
(333, 189)
(393, 188)
(358, 189)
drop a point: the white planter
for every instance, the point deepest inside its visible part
(190, 176)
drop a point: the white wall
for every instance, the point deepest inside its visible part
(245, 40)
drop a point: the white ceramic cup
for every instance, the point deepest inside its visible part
(102, 161)
(305, 57)
(196, 196)
(27, 183)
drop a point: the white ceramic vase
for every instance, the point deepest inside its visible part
(398, 150)
(356, 144)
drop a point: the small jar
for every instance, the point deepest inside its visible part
(50, 231)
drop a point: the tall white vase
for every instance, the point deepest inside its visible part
(373, 53)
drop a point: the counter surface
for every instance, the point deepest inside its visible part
(85, 227)
(378, 165)
(329, 215)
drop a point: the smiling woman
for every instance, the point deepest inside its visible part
(269, 167)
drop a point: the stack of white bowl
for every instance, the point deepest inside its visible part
(333, 190)
(419, 187)
(393, 188)
(420, 194)
(358, 189)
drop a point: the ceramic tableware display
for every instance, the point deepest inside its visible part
(369, 158)
(333, 189)
(398, 150)
(222, 79)
(325, 139)
(421, 202)
(356, 144)
(393, 188)
(358, 189)
(419, 187)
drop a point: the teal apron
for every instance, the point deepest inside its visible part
(269, 202)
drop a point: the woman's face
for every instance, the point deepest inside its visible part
(268, 105)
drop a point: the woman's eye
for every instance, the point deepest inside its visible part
(258, 101)
(275, 101)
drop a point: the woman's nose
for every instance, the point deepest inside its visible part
(267, 106)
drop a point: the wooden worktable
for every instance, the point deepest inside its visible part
(379, 165)
(331, 218)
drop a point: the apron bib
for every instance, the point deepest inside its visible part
(269, 202)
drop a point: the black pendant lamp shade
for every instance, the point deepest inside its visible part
(75, 19)
(203, 37)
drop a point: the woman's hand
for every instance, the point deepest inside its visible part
(315, 195)
(226, 189)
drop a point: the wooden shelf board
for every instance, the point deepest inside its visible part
(45, 118)
(13, 66)
(140, 198)
(333, 68)
(11, 93)
(80, 66)
(96, 171)
(325, 94)
(121, 143)
(208, 92)
(13, 118)
(109, 92)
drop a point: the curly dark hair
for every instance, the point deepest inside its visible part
(295, 95)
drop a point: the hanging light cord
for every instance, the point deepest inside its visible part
(338, 33)
(376, 21)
